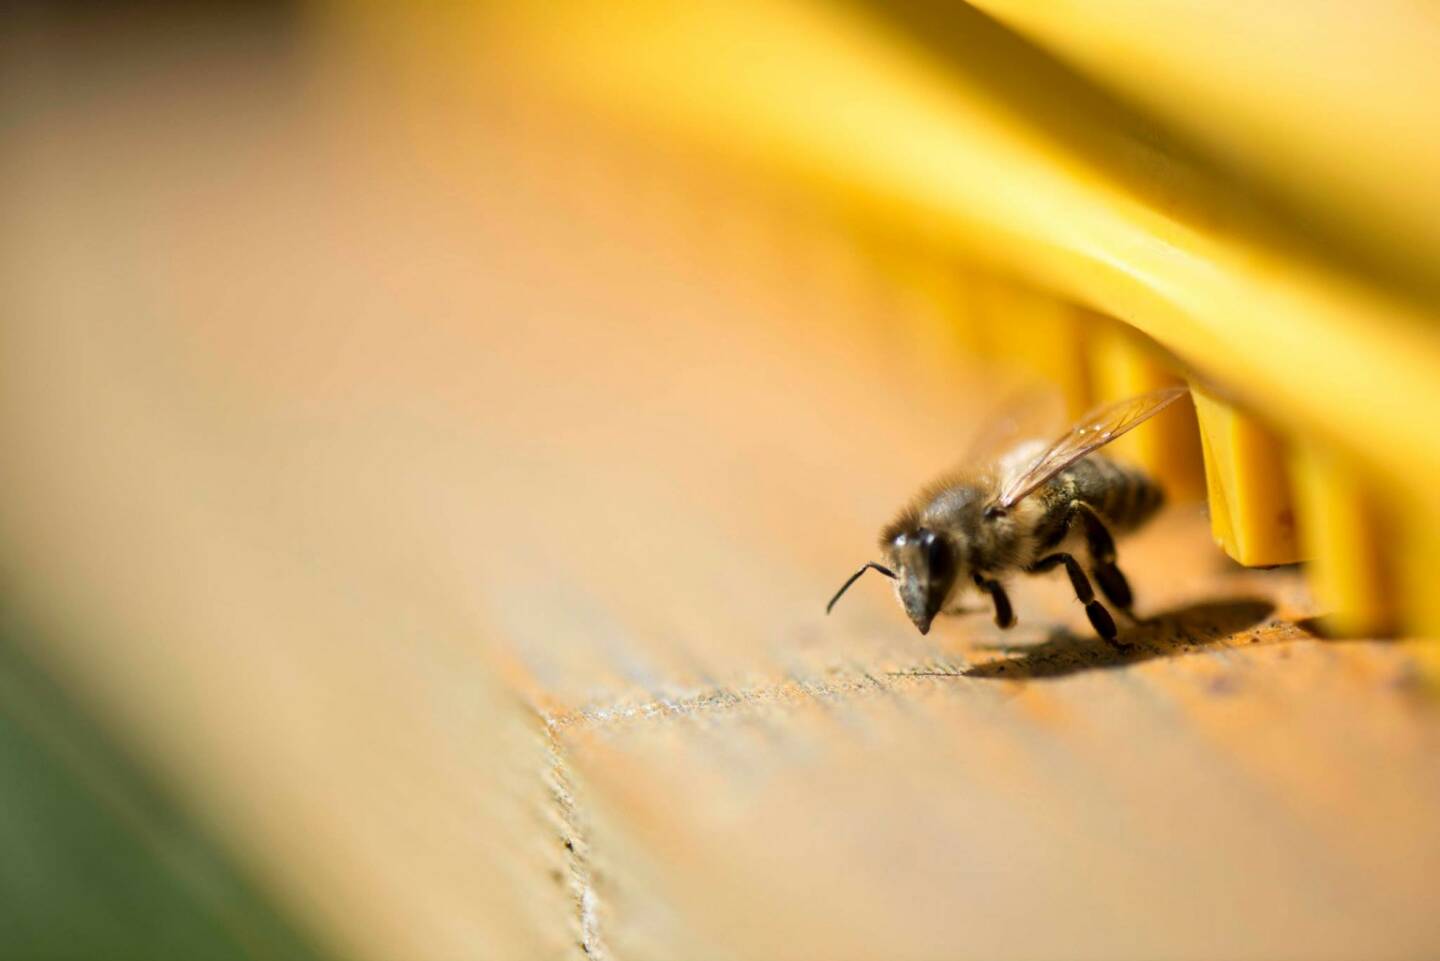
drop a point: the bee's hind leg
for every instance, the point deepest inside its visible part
(1100, 618)
(1115, 588)
(1102, 556)
(1004, 613)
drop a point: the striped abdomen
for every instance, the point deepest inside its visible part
(1123, 496)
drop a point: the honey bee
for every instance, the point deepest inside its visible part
(1029, 511)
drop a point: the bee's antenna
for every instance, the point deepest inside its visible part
(867, 566)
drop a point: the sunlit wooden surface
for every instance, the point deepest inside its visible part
(443, 494)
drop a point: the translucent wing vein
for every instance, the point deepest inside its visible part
(1091, 432)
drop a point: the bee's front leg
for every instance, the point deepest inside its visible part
(1004, 613)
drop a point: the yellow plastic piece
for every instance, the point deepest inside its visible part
(1251, 514)
(1417, 574)
(1340, 534)
(931, 303)
(1334, 110)
(1302, 284)
(1034, 333)
(1113, 213)
(1123, 364)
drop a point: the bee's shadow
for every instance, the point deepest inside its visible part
(1164, 635)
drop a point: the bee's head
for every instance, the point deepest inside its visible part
(926, 567)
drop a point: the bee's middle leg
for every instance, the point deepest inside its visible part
(1102, 555)
(1100, 618)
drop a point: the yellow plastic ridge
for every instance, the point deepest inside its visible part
(1034, 333)
(1341, 536)
(1123, 364)
(1251, 514)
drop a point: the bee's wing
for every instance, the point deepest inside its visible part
(1025, 413)
(1094, 430)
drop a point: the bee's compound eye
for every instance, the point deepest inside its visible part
(937, 554)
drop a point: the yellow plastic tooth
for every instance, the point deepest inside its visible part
(1416, 562)
(1037, 333)
(1340, 533)
(1416, 559)
(1124, 363)
(968, 293)
(1251, 514)
(933, 316)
